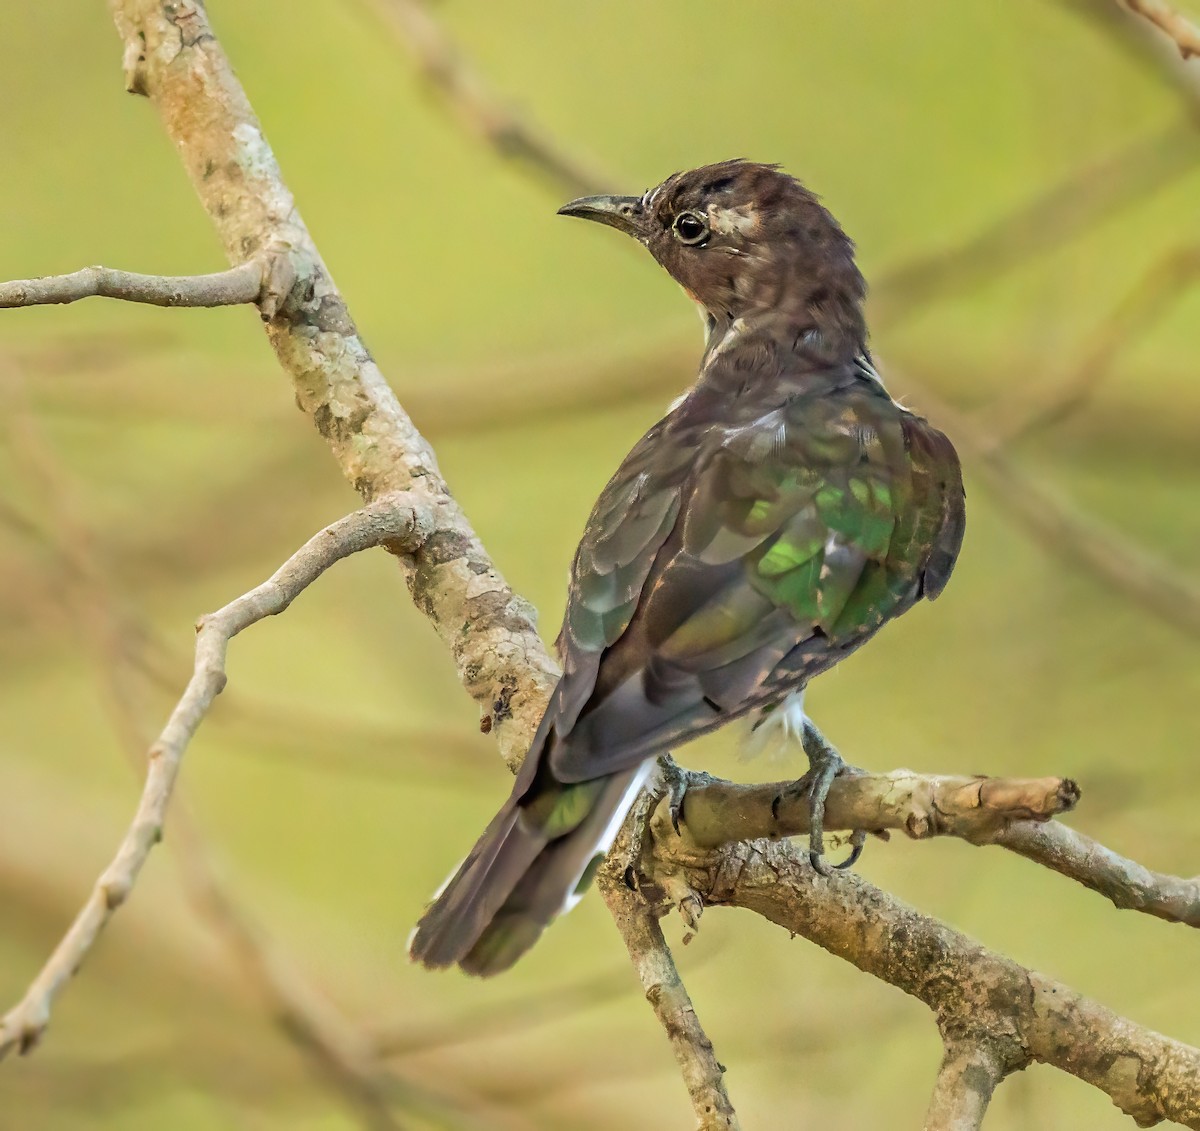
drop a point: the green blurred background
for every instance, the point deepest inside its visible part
(153, 466)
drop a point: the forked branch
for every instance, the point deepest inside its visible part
(967, 1076)
(402, 524)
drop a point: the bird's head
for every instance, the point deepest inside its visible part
(746, 241)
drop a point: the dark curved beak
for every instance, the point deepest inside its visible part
(621, 212)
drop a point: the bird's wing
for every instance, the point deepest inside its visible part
(716, 568)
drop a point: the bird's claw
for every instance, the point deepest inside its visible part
(676, 782)
(825, 764)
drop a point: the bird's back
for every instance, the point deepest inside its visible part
(752, 538)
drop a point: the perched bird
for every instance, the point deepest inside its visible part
(783, 510)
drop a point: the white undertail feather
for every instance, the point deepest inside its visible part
(777, 732)
(611, 829)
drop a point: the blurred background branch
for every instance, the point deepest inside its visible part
(1184, 33)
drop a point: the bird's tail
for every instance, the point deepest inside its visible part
(532, 863)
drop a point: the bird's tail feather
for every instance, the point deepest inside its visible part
(516, 880)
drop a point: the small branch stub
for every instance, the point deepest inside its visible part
(966, 1079)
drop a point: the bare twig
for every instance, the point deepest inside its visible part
(969, 1073)
(703, 1074)
(238, 285)
(341, 1051)
(1127, 883)
(477, 108)
(1152, 296)
(346, 1054)
(398, 522)
(1170, 22)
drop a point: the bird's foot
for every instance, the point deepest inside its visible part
(824, 764)
(676, 781)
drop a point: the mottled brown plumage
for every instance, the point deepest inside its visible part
(770, 524)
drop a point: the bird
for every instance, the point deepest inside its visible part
(783, 510)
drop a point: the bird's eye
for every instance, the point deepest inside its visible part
(690, 228)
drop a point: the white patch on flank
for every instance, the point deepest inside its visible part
(779, 732)
(605, 841)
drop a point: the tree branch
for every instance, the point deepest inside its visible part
(637, 920)
(970, 988)
(174, 59)
(401, 523)
(969, 1073)
(703, 1074)
(234, 287)
(346, 1055)
(1170, 22)
(717, 812)
(1014, 813)
(1128, 884)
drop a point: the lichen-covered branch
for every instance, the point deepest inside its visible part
(637, 920)
(239, 285)
(717, 812)
(967, 1076)
(970, 989)
(401, 523)
(174, 59)
(1014, 813)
